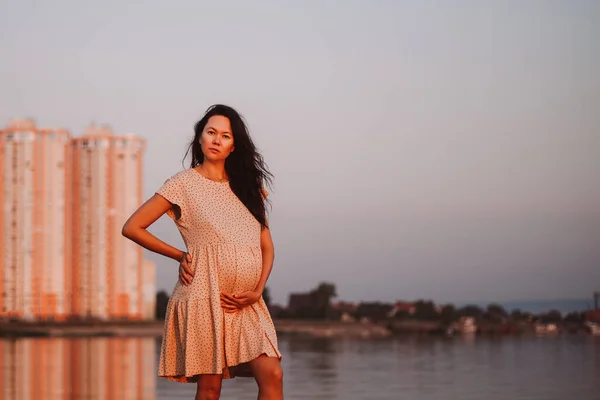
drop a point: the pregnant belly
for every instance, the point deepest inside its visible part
(240, 270)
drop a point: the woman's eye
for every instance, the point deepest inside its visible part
(226, 136)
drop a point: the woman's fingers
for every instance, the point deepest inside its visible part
(187, 269)
(234, 299)
(229, 300)
(228, 305)
(185, 278)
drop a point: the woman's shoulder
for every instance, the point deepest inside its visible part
(176, 183)
(179, 176)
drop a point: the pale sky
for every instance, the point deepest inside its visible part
(429, 149)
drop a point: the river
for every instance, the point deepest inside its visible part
(532, 368)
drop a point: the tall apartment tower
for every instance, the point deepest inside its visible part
(107, 188)
(34, 222)
(149, 290)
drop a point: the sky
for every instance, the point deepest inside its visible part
(421, 149)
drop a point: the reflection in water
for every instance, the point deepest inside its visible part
(86, 368)
(319, 362)
(398, 368)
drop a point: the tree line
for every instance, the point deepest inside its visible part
(316, 304)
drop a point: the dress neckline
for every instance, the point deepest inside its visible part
(208, 179)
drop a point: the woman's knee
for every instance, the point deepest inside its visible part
(209, 388)
(267, 371)
(275, 374)
(210, 393)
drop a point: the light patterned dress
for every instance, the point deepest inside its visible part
(223, 239)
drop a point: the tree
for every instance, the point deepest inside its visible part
(497, 309)
(471, 311)
(448, 314)
(162, 299)
(321, 299)
(425, 310)
(574, 317)
(552, 317)
(496, 313)
(516, 315)
(266, 295)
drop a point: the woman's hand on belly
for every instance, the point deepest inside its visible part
(233, 303)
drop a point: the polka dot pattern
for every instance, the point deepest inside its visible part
(223, 239)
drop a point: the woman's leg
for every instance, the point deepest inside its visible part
(269, 377)
(209, 387)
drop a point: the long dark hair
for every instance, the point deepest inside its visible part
(245, 167)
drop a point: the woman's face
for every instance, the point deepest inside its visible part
(216, 139)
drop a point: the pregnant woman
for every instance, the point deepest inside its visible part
(217, 325)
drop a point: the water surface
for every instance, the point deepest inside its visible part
(536, 368)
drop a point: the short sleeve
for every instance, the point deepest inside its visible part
(172, 191)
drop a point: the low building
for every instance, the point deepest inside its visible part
(299, 302)
(402, 307)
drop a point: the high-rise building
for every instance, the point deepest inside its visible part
(35, 223)
(149, 290)
(107, 189)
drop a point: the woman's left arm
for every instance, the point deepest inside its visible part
(268, 256)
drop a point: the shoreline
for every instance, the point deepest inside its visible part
(82, 329)
(154, 328)
(283, 327)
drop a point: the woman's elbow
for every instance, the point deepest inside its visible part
(127, 230)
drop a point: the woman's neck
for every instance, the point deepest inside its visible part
(213, 170)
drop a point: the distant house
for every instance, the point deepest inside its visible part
(374, 311)
(276, 310)
(299, 302)
(402, 307)
(467, 325)
(344, 311)
(593, 316)
(544, 329)
(345, 317)
(343, 306)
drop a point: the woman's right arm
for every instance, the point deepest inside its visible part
(135, 227)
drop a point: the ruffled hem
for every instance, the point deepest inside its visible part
(241, 370)
(200, 338)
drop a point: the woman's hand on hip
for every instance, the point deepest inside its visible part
(185, 271)
(232, 303)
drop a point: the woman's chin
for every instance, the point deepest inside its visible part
(214, 157)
